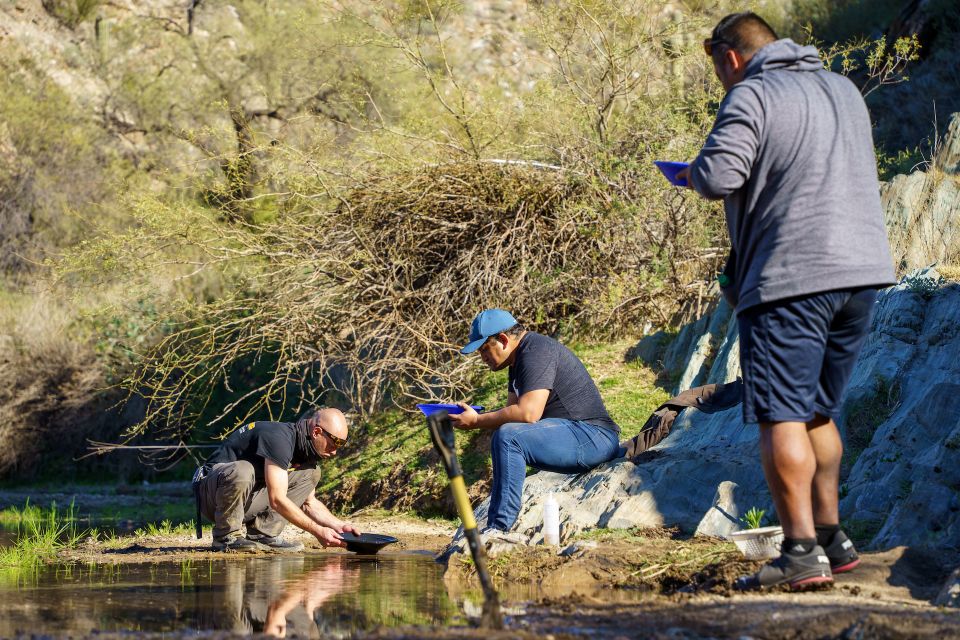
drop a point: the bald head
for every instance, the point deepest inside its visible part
(746, 33)
(333, 421)
(327, 429)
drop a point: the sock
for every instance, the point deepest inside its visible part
(798, 546)
(825, 533)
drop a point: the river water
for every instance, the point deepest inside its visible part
(312, 595)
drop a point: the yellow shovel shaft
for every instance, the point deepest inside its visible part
(463, 502)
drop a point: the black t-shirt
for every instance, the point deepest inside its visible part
(258, 442)
(544, 363)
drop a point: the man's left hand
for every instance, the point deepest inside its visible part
(467, 419)
(684, 174)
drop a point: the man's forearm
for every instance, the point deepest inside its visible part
(494, 419)
(289, 510)
(318, 512)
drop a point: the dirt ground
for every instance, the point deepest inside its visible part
(683, 588)
(665, 564)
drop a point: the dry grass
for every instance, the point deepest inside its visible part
(949, 271)
(48, 381)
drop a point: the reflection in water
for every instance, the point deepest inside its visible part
(313, 595)
(272, 597)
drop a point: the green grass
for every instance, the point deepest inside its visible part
(31, 515)
(41, 534)
(628, 388)
(165, 528)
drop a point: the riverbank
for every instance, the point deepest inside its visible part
(656, 585)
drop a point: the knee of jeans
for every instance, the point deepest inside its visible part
(507, 434)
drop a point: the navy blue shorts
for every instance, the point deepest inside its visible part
(797, 354)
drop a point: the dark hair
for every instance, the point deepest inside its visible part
(744, 32)
(515, 330)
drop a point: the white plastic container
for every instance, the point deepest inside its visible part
(759, 544)
(551, 520)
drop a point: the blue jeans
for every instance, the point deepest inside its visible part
(553, 444)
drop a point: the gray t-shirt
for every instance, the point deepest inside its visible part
(544, 363)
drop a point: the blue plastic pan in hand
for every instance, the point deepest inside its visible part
(449, 408)
(670, 171)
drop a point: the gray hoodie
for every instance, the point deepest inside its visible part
(791, 154)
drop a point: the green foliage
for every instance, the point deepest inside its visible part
(41, 534)
(923, 284)
(55, 165)
(317, 198)
(754, 517)
(165, 528)
(902, 161)
(72, 12)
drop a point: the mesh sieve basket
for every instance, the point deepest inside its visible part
(759, 544)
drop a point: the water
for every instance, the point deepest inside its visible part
(328, 595)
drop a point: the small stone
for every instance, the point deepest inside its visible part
(950, 593)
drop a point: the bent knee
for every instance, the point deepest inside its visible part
(508, 432)
(239, 472)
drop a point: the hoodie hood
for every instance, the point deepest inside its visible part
(784, 54)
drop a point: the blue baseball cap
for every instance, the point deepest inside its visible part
(488, 323)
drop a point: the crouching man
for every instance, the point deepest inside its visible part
(265, 475)
(554, 420)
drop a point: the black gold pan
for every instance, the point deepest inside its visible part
(366, 544)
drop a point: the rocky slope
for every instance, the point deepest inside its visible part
(901, 417)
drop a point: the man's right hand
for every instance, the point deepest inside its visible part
(467, 419)
(684, 174)
(329, 537)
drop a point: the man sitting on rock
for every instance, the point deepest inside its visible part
(265, 475)
(554, 420)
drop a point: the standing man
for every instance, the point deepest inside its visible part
(554, 419)
(265, 475)
(791, 155)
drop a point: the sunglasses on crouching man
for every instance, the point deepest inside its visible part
(337, 441)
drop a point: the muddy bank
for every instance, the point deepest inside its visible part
(414, 534)
(665, 564)
(684, 588)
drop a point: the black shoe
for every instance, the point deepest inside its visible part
(797, 571)
(839, 549)
(277, 543)
(236, 544)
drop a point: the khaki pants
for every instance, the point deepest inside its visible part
(227, 497)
